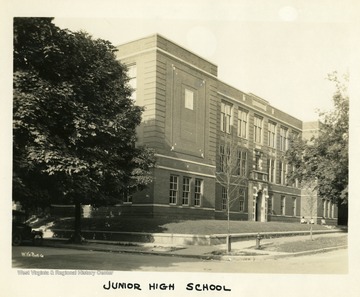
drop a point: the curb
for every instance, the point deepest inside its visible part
(234, 236)
(206, 240)
(258, 256)
(100, 249)
(279, 256)
(318, 251)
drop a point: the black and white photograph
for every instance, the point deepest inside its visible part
(158, 148)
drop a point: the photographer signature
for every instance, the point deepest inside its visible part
(32, 255)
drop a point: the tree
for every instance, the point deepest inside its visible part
(231, 174)
(324, 158)
(73, 120)
(310, 203)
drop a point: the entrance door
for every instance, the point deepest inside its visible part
(258, 207)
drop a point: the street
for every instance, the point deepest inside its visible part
(334, 262)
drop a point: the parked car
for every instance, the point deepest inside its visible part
(23, 233)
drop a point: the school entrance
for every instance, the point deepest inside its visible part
(259, 202)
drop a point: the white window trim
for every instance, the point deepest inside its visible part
(241, 120)
(260, 128)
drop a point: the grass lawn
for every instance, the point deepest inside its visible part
(162, 225)
(308, 244)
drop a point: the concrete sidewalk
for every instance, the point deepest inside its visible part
(241, 250)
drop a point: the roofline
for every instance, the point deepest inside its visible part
(214, 76)
(259, 98)
(175, 43)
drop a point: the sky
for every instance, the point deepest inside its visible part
(279, 50)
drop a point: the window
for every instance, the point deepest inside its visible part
(283, 173)
(198, 192)
(242, 123)
(291, 173)
(132, 73)
(241, 163)
(283, 139)
(242, 198)
(224, 158)
(271, 170)
(271, 134)
(282, 206)
(325, 213)
(173, 189)
(258, 129)
(279, 181)
(295, 182)
(186, 191)
(295, 135)
(294, 207)
(225, 117)
(270, 204)
(223, 198)
(189, 99)
(258, 160)
(242, 205)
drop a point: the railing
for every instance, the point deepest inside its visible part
(259, 175)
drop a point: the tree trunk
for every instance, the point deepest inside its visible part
(228, 243)
(228, 238)
(76, 237)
